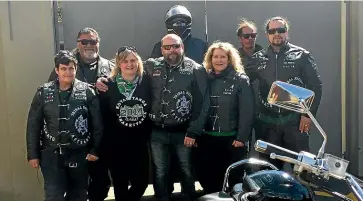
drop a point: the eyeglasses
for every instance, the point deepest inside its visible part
(124, 48)
(86, 41)
(247, 36)
(168, 47)
(278, 30)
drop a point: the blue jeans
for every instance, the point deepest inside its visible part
(64, 175)
(162, 142)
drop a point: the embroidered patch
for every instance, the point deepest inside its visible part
(81, 86)
(183, 106)
(186, 68)
(82, 135)
(131, 112)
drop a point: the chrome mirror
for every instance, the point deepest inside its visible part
(290, 97)
(298, 99)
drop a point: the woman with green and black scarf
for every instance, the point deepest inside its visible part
(125, 107)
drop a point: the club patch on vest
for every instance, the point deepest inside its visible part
(81, 126)
(187, 68)
(131, 112)
(81, 86)
(46, 132)
(183, 106)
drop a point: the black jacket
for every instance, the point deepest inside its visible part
(89, 72)
(126, 120)
(177, 93)
(247, 58)
(77, 123)
(292, 64)
(195, 49)
(230, 104)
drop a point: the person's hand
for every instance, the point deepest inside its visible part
(237, 144)
(91, 157)
(100, 84)
(305, 124)
(34, 163)
(189, 142)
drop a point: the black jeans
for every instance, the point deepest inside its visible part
(215, 155)
(129, 164)
(287, 136)
(64, 174)
(100, 181)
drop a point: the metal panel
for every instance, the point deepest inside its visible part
(314, 26)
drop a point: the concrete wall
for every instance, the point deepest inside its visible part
(315, 26)
(25, 62)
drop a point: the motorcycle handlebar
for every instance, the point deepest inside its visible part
(268, 148)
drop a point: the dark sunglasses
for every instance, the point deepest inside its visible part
(278, 30)
(247, 36)
(168, 47)
(124, 48)
(86, 42)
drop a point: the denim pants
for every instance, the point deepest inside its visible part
(162, 143)
(64, 175)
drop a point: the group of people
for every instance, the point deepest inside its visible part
(190, 106)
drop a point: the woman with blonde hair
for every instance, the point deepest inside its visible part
(125, 107)
(229, 115)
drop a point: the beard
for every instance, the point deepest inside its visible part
(89, 55)
(277, 41)
(173, 58)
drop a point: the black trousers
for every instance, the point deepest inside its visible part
(99, 179)
(129, 164)
(287, 136)
(65, 176)
(215, 155)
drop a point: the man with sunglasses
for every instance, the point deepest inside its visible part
(286, 62)
(247, 33)
(178, 20)
(178, 88)
(91, 66)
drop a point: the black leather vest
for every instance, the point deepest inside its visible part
(67, 123)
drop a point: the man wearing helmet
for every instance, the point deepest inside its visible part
(178, 20)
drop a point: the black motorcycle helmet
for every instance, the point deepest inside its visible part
(274, 185)
(178, 20)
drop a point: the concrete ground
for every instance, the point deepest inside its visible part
(148, 195)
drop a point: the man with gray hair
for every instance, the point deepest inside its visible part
(92, 66)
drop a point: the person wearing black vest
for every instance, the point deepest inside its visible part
(228, 115)
(125, 107)
(64, 131)
(92, 66)
(178, 89)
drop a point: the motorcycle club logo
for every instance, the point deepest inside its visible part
(81, 125)
(183, 106)
(131, 112)
(81, 86)
(81, 136)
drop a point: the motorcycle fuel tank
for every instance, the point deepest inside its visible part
(276, 184)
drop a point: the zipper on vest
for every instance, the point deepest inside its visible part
(276, 63)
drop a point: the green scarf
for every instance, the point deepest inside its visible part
(125, 87)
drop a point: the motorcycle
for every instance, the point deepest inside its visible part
(309, 171)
